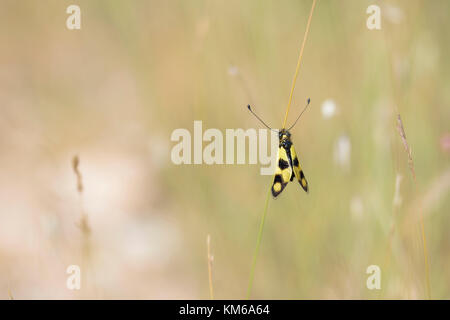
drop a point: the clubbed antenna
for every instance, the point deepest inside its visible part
(307, 104)
(250, 108)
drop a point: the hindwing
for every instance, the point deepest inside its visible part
(297, 170)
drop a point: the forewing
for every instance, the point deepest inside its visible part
(282, 173)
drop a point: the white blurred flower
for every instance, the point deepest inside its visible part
(159, 150)
(140, 242)
(394, 14)
(356, 207)
(342, 151)
(401, 67)
(427, 55)
(397, 197)
(328, 108)
(233, 70)
(202, 27)
(445, 142)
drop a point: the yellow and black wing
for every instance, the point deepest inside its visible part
(283, 172)
(297, 170)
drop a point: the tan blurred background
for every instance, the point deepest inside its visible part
(113, 92)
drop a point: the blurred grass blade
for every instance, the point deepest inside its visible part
(258, 243)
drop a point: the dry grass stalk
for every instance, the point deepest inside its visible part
(75, 164)
(396, 203)
(210, 261)
(402, 134)
(84, 222)
(10, 295)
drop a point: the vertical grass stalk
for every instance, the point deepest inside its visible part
(258, 243)
(263, 219)
(300, 56)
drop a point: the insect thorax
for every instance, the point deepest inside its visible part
(285, 139)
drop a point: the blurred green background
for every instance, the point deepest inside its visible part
(113, 92)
